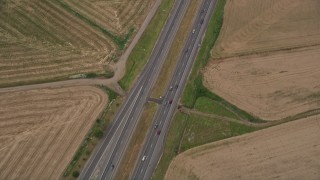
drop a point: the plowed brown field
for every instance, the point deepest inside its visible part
(287, 151)
(266, 59)
(54, 39)
(40, 130)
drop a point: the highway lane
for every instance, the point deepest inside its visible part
(105, 160)
(153, 147)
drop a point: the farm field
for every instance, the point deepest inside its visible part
(40, 130)
(286, 151)
(265, 60)
(46, 40)
(271, 87)
(254, 26)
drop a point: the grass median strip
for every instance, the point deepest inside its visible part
(131, 155)
(142, 51)
(174, 53)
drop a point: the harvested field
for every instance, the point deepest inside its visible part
(51, 40)
(287, 151)
(252, 26)
(266, 59)
(40, 130)
(271, 87)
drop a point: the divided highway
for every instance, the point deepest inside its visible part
(153, 147)
(104, 162)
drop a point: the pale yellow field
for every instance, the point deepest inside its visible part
(55, 39)
(40, 130)
(266, 59)
(288, 151)
(252, 26)
(271, 87)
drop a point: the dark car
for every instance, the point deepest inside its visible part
(158, 132)
(170, 102)
(201, 21)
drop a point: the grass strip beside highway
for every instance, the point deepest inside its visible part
(202, 130)
(143, 49)
(171, 146)
(208, 105)
(132, 152)
(190, 93)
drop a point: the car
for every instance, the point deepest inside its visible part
(144, 158)
(171, 88)
(156, 126)
(176, 86)
(193, 31)
(165, 102)
(112, 166)
(170, 102)
(201, 21)
(187, 50)
(158, 132)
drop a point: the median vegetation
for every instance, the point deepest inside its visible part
(143, 49)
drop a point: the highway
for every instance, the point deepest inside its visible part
(153, 147)
(105, 160)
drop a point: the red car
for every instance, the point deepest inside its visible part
(170, 102)
(158, 132)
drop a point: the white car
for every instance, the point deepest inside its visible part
(144, 158)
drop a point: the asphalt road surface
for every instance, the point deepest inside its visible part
(104, 162)
(153, 146)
